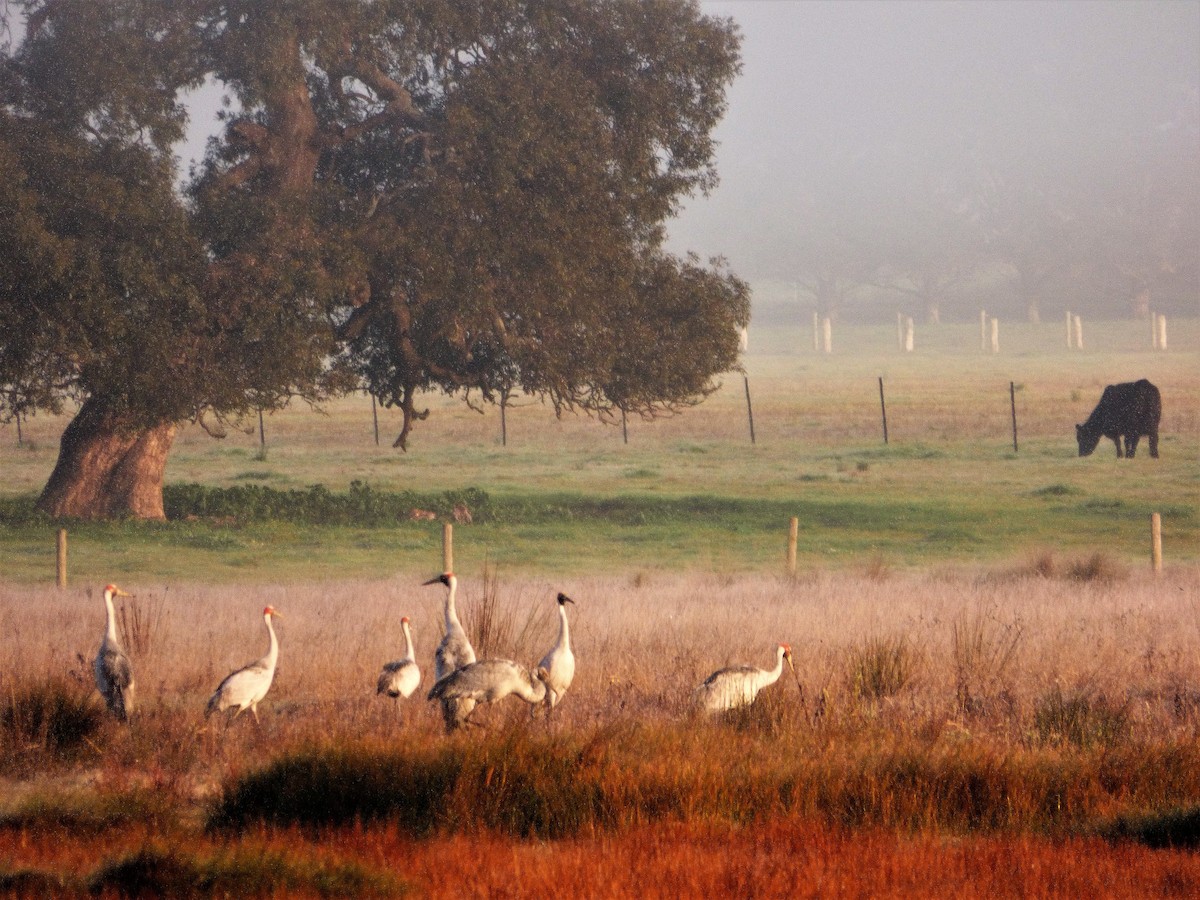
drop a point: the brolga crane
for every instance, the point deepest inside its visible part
(114, 675)
(737, 686)
(454, 652)
(559, 663)
(245, 687)
(400, 678)
(486, 681)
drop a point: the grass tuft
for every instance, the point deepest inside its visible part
(54, 718)
(1098, 567)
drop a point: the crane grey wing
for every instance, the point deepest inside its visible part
(729, 670)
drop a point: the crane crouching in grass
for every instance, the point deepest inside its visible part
(400, 678)
(114, 674)
(559, 663)
(244, 688)
(737, 686)
(454, 652)
(486, 681)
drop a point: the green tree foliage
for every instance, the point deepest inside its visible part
(431, 195)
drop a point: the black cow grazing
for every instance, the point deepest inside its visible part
(1130, 409)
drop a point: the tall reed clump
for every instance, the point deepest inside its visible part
(984, 647)
(141, 623)
(881, 667)
(1083, 719)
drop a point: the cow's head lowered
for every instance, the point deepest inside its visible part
(1088, 438)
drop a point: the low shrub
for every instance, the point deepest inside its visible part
(1177, 828)
(156, 872)
(362, 505)
(517, 785)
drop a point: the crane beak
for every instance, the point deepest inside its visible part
(437, 580)
(117, 592)
(563, 598)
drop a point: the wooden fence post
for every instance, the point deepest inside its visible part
(883, 409)
(749, 408)
(1156, 542)
(61, 558)
(1012, 400)
(793, 534)
(447, 547)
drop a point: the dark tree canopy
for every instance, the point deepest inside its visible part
(414, 196)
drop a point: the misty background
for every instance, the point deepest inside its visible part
(934, 158)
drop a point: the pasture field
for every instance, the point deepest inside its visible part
(691, 491)
(994, 696)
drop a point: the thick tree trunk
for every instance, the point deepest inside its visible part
(108, 470)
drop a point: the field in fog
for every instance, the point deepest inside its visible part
(996, 695)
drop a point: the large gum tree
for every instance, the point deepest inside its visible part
(407, 195)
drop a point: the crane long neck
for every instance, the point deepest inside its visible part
(273, 649)
(408, 644)
(451, 610)
(110, 633)
(772, 676)
(564, 630)
(534, 692)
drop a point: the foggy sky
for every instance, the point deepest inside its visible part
(853, 97)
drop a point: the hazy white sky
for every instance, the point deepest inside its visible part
(850, 95)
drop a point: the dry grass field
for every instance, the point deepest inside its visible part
(995, 696)
(1039, 711)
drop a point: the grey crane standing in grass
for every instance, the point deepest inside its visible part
(400, 678)
(247, 686)
(486, 681)
(559, 663)
(454, 652)
(738, 686)
(114, 674)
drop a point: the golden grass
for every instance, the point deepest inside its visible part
(690, 786)
(643, 643)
